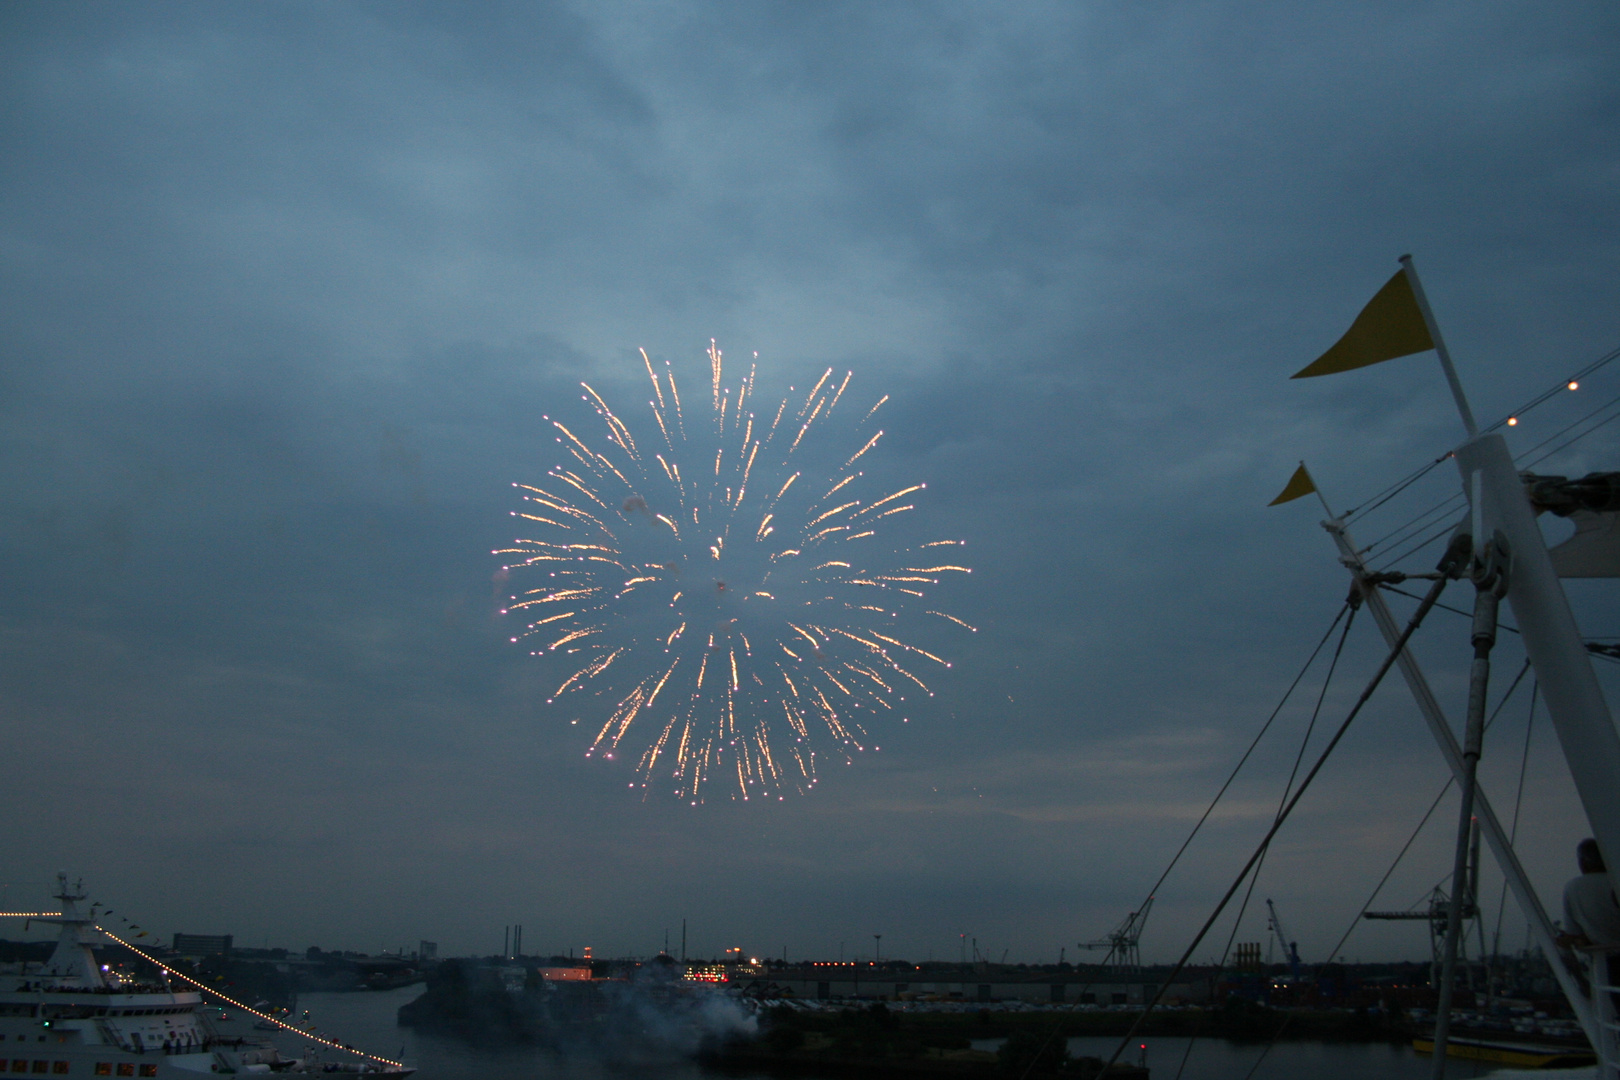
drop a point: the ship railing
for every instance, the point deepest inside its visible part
(128, 988)
(1603, 972)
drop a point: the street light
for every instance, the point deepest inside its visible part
(879, 947)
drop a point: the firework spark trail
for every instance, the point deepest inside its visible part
(795, 627)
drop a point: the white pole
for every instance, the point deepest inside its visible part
(1440, 347)
(1524, 894)
(1574, 699)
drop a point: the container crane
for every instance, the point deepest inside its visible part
(1290, 948)
(1121, 942)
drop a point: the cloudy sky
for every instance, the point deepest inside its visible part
(287, 289)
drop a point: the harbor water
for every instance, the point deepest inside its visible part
(367, 1021)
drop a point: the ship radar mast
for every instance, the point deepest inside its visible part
(72, 964)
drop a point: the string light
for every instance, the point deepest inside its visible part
(167, 970)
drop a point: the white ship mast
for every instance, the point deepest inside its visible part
(72, 964)
(1510, 558)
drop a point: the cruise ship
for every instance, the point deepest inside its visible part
(71, 1017)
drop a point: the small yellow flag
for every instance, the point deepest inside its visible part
(1390, 325)
(1298, 484)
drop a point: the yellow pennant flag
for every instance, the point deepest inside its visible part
(1299, 484)
(1390, 325)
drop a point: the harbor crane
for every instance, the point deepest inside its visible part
(1435, 910)
(1122, 941)
(1290, 948)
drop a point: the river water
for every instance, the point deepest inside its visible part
(367, 1020)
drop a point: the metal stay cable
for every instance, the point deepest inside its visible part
(1425, 520)
(1310, 728)
(1435, 805)
(1596, 654)
(1518, 800)
(1445, 607)
(1570, 426)
(1304, 786)
(1347, 606)
(1355, 921)
(1523, 460)
(1419, 546)
(1446, 877)
(1375, 501)
(1553, 391)
(1356, 513)
(1254, 878)
(1573, 438)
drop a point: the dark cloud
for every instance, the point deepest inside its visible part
(287, 289)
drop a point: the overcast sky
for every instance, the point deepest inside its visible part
(288, 287)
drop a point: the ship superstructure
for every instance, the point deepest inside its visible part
(72, 1017)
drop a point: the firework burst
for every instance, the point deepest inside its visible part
(713, 603)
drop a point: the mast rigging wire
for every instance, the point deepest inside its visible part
(1368, 506)
(1366, 694)
(1595, 653)
(1357, 513)
(1347, 606)
(1416, 524)
(1575, 438)
(1254, 878)
(1500, 705)
(1413, 550)
(1435, 805)
(1355, 921)
(1518, 799)
(1446, 607)
(1552, 392)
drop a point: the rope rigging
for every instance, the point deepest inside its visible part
(1455, 502)
(1348, 607)
(1355, 920)
(1518, 800)
(1604, 414)
(1299, 757)
(1375, 501)
(1366, 694)
(1597, 647)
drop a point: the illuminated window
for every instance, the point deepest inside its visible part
(59, 1067)
(42, 1066)
(125, 1069)
(148, 1070)
(103, 1068)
